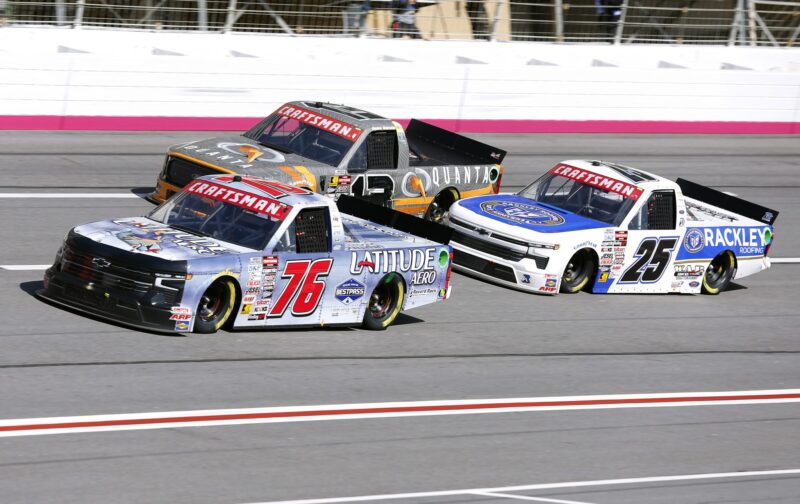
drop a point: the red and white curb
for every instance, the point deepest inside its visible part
(207, 418)
(501, 491)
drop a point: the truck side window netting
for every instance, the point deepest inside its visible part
(382, 150)
(311, 231)
(658, 212)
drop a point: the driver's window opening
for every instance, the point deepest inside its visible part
(657, 213)
(311, 231)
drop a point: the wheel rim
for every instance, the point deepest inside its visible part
(381, 300)
(716, 271)
(575, 270)
(211, 304)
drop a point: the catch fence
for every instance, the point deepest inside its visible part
(715, 22)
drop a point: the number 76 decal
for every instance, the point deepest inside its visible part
(304, 276)
(652, 258)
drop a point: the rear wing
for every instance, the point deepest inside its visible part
(394, 219)
(727, 202)
(448, 147)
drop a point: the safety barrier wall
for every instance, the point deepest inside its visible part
(54, 78)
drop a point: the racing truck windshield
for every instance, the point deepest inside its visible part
(210, 217)
(584, 193)
(306, 133)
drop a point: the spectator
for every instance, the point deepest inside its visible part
(608, 14)
(476, 12)
(405, 22)
(355, 17)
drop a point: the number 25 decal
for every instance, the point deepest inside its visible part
(653, 257)
(304, 276)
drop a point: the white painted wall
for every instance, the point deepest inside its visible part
(137, 73)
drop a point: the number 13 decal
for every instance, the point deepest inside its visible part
(652, 258)
(304, 276)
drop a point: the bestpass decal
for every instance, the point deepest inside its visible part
(384, 261)
(350, 291)
(522, 213)
(259, 204)
(742, 240)
(322, 122)
(598, 181)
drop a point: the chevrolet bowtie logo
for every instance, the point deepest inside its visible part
(252, 152)
(100, 262)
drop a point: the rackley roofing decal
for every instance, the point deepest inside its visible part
(599, 181)
(260, 204)
(322, 122)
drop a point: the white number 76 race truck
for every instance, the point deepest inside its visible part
(611, 229)
(245, 252)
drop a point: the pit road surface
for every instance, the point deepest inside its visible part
(485, 343)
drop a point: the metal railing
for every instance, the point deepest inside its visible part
(720, 22)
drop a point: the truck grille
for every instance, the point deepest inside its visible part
(488, 247)
(481, 265)
(106, 274)
(180, 172)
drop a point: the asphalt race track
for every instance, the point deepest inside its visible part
(484, 344)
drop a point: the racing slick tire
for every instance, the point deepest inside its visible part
(385, 303)
(440, 206)
(719, 273)
(216, 306)
(579, 272)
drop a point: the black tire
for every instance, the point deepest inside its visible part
(385, 303)
(579, 272)
(440, 206)
(719, 273)
(215, 307)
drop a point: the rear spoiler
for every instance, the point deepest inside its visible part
(394, 219)
(480, 152)
(727, 202)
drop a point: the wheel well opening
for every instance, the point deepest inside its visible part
(394, 275)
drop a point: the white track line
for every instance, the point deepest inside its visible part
(70, 195)
(246, 416)
(528, 498)
(545, 486)
(784, 260)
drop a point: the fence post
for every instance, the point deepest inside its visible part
(78, 21)
(558, 8)
(621, 23)
(202, 15)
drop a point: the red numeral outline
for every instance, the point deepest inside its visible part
(304, 276)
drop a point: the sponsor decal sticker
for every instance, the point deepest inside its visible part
(383, 261)
(349, 291)
(180, 313)
(424, 277)
(599, 181)
(246, 200)
(694, 241)
(522, 213)
(320, 121)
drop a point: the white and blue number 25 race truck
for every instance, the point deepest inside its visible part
(611, 229)
(251, 253)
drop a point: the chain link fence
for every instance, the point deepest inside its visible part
(719, 22)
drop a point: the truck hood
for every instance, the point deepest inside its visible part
(243, 155)
(140, 235)
(515, 210)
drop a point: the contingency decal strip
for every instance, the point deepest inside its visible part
(163, 420)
